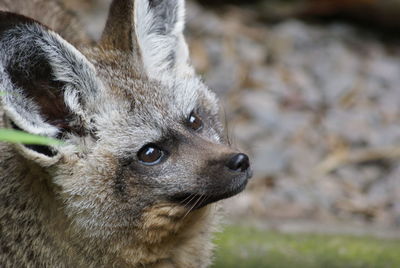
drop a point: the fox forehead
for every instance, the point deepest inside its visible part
(134, 107)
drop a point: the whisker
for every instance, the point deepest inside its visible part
(194, 205)
(191, 199)
(226, 123)
(181, 202)
(206, 197)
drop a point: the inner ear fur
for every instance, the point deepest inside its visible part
(152, 31)
(48, 84)
(35, 77)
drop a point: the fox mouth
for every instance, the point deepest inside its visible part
(195, 201)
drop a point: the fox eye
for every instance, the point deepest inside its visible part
(150, 154)
(195, 122)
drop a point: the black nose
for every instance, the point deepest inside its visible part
(239, 162)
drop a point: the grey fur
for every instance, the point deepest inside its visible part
(93, 203)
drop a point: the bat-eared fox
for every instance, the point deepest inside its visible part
(142, 158)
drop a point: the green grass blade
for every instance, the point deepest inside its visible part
(16, 136)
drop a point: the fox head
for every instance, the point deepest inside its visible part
(139, 128)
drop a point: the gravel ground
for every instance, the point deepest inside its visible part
(317, 106)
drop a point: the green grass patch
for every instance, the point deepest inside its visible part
(250, 247)
(16, 136)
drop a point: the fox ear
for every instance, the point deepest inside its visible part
(47, 85)
(153, 30)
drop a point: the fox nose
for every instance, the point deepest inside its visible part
(239, 162)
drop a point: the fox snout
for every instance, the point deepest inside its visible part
(221, 173)
(233, 176)
(238, 172)
(239, 162)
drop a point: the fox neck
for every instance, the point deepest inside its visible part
(171, 236)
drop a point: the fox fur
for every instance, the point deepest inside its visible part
(91, 201)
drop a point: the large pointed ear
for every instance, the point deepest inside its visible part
(48, 86)
(153, 31)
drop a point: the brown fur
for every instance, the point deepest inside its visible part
(36, 232)
(52, 14)
(82, 208)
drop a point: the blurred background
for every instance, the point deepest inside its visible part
(311, 90)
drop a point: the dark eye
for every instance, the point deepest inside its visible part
(150, 154)
(195, 122)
